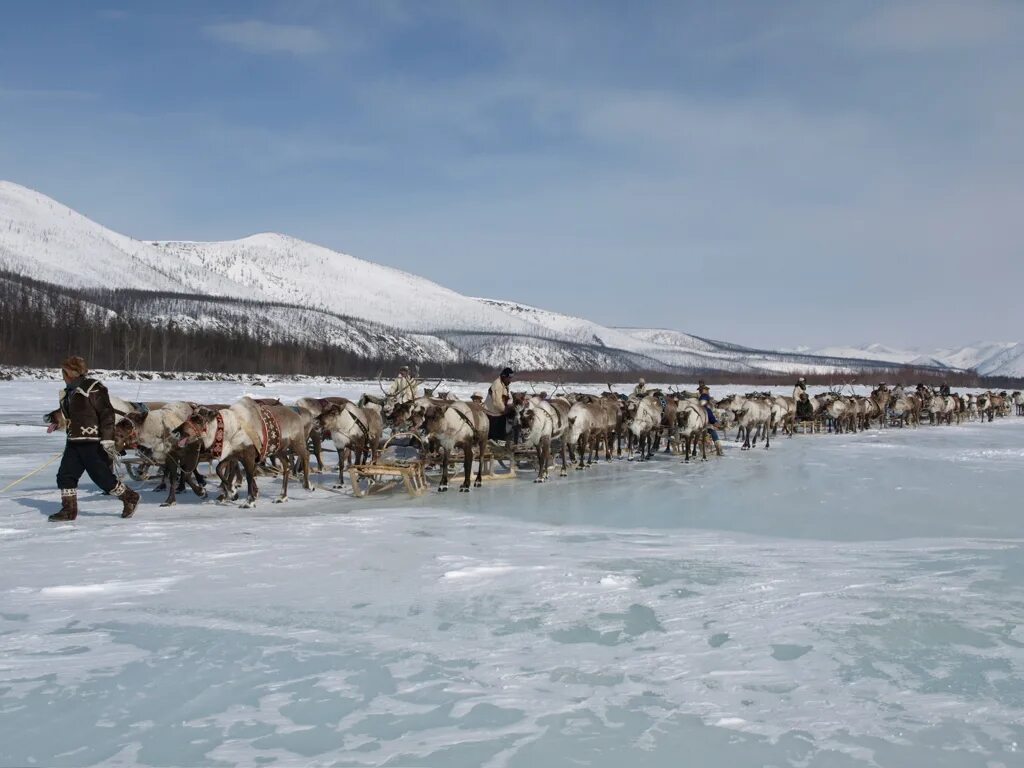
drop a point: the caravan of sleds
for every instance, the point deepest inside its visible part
(384, 441)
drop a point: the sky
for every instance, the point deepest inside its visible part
(773, 174)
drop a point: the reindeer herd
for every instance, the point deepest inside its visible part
(252, 434)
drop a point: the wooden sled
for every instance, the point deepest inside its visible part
(392, 468)
(494, 452)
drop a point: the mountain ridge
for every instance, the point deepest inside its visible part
(42, 239)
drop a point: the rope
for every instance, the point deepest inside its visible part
(40, 468)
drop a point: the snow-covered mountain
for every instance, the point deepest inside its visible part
(316, 295)
(999, 358)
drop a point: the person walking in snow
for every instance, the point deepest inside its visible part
(86, 407)
(641, 388)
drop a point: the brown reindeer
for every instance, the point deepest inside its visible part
(354, 430)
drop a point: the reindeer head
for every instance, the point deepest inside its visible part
(527, 415)
(432, 418)
(329, 412)
(126, 431)
(194, 427)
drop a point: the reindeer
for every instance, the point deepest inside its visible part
(1018, 403)
(881, 398)
(692, 421)
(941, 409)
(642, 418)
(783, 414)
(906, 407)
(458, 425)
(150, 434)
(839, 412)
(751, 412)
(249, 432)
(544, 421)
(315, 406)
(352, 429)
(588, 418)
(57, 421)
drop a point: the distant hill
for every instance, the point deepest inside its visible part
(277, 289)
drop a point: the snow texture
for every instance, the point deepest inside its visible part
(838, 600)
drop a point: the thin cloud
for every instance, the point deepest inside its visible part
(918, 27)
(46, 94)
(264, 37)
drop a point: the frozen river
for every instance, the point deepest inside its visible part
(847, 600)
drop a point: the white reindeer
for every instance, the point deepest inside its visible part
(543, 422)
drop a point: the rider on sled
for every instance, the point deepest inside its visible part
(705, 400)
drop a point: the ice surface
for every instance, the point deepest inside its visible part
(834, 601)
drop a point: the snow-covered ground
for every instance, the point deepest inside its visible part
(835, 601)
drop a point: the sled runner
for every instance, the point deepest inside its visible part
(400, 462)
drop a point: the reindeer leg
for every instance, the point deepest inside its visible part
(341, 467)
(286, 466)
(316, 439)
(444, 471)
(467, 466)
(565, 471)
(249, 464)
(189, 466)
(305, 472)
(481, 447)
(171, 471)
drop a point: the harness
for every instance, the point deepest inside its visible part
(465, 418)
(270, 432)
(218, 438)
(133, 436)
(217, 448)
(362, 427)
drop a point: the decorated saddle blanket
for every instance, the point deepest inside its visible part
(270, 432)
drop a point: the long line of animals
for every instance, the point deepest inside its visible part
(240, 437)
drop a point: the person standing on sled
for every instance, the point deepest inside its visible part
(800, 388)
(403, 388)
(85, 404)
(705, 400)
(498, 406)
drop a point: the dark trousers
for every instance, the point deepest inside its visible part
(85, 457)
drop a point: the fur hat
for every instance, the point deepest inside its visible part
(75, 367)
(476, 396)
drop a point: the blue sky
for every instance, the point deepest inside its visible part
(776, 174)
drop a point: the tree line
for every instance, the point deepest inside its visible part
(131, 330)
(41, 323)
